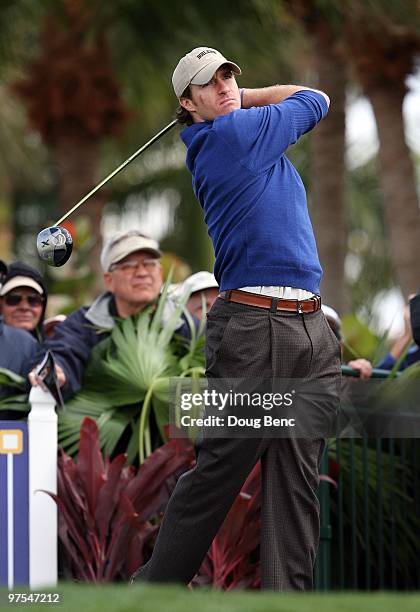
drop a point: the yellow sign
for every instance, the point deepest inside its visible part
(11, 441)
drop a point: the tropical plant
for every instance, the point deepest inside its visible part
(368, 258)
(13, 396)
(383, 40)
(359, 340)
(108, 515)
(11, 379)
(375, 478)
(371, 482)
(327, 194)
(232, 561)
(128, 379)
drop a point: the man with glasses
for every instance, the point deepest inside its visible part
(133, 280)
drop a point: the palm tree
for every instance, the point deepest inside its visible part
(74, 101)
(21, 160)
(328, 147)
(383, 39)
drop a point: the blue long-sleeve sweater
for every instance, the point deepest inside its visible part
(253, 198)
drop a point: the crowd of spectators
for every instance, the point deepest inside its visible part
(132, 278)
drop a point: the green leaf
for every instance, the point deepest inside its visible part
(11, 379)
(137, 359)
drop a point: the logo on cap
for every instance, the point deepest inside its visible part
(200, 55)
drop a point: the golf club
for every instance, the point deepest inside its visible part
(55, 244)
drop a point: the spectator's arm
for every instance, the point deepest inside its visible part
(387, 363)
(70, 346)
(406, 337)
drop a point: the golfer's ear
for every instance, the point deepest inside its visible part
(187, 104)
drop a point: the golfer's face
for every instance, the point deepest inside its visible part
(219, 96)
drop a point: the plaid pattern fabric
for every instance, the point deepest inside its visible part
(246, 341)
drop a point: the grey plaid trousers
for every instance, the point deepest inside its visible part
(243, 341)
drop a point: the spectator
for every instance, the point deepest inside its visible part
(362, 365)
(202, 285)
(23, 299)
(412, 355)
(133, 280)
(17, 349)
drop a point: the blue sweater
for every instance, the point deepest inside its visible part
(253, 198)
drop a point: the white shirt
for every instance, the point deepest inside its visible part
(285, 293)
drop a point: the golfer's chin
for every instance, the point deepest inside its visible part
(228, 107)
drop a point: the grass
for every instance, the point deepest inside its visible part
(139, 598)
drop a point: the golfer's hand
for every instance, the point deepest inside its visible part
(35, 380)
(363, 366)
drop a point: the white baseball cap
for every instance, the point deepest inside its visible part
(124, 243)
(200, 281)
(197, 68)
(21, 281)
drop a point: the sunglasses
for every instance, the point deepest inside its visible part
(13, 299)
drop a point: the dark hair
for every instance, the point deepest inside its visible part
(183, 116)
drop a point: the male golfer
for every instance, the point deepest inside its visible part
(267, 321)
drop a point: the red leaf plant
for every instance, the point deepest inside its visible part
(108, 514)
(232, 561)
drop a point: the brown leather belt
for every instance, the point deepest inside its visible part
(271, 303)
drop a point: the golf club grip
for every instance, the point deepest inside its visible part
(117, 170)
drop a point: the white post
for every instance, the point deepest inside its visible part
(42, 433)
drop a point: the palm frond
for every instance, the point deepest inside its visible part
(128, 376)
(11, 379)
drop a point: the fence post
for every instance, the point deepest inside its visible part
(42, 430)
(323, 560)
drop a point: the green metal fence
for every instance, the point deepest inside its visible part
(370, 515)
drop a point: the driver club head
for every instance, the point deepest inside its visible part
(54, 245)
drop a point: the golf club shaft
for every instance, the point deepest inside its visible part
(123, 165)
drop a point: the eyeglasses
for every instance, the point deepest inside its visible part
(13, 299)
(131, 265)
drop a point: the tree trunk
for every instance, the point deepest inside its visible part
(328, 176)
(76, 159)
(6, 213)
(398, 186)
